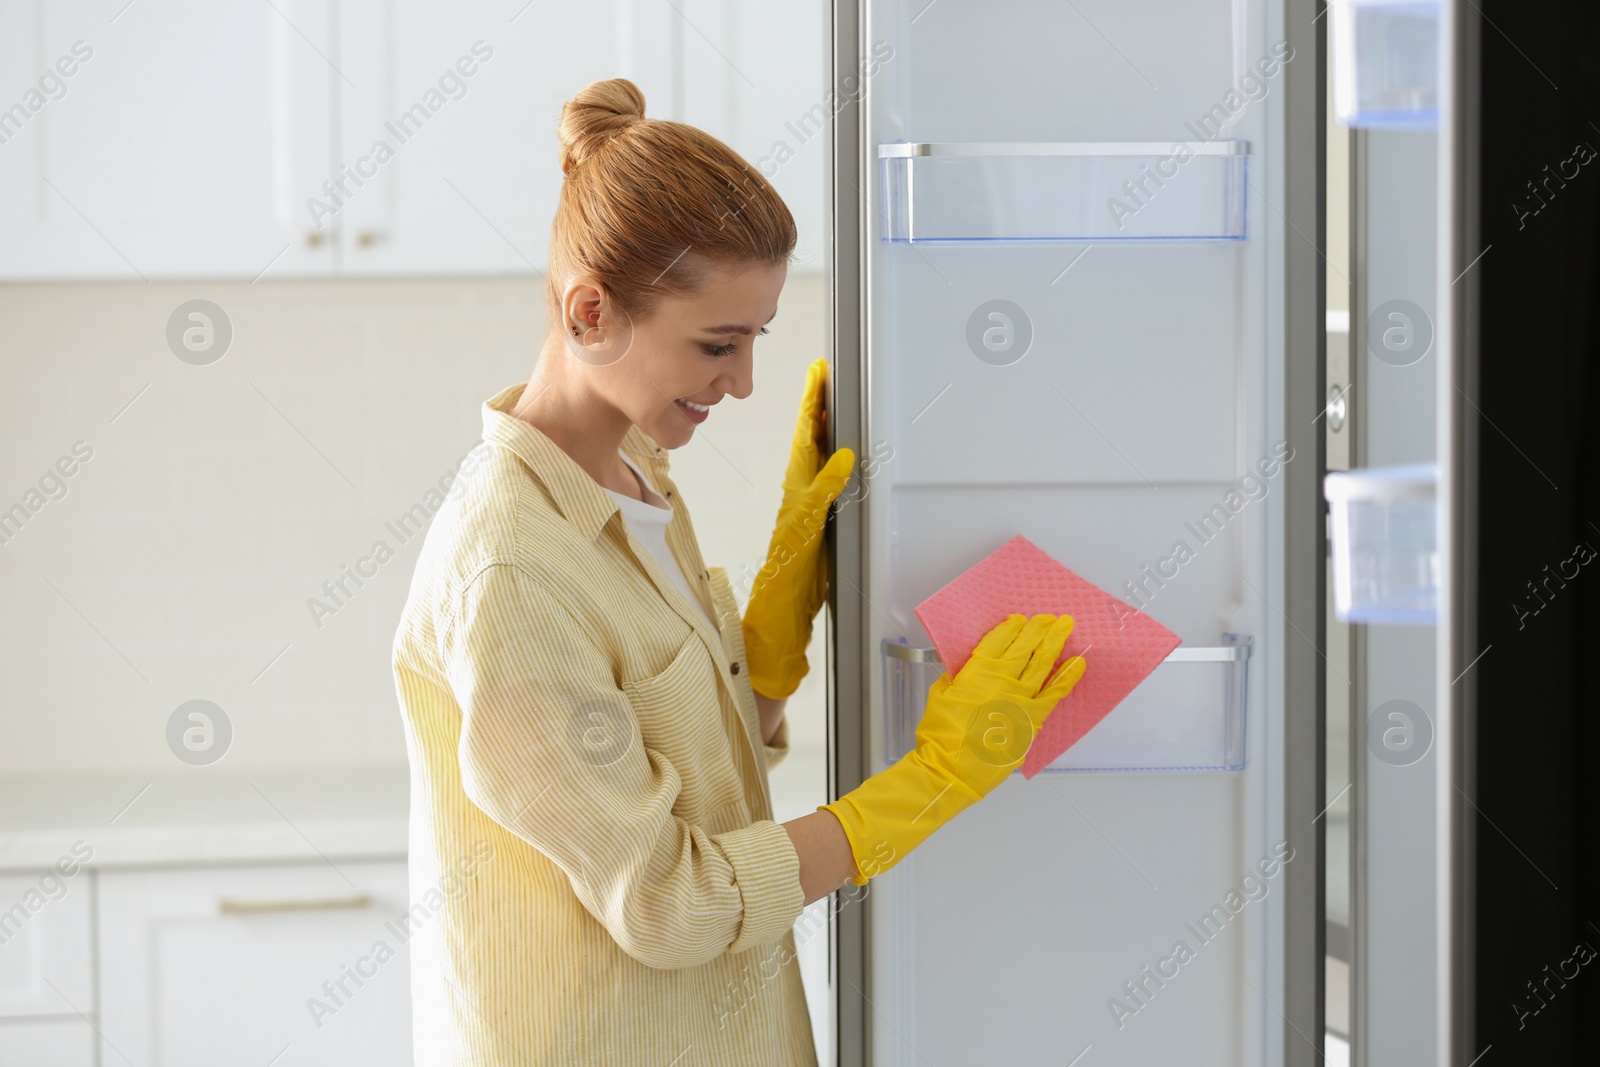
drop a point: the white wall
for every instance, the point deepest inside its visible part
(219, 498)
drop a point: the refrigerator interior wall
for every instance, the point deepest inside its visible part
(1100, 399)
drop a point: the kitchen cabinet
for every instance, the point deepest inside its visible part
(175, 146)
(45, 944)
(307, 962)
(57, 1042)
(365, 137)
(450, 126)
(200, 924)
(46, 970)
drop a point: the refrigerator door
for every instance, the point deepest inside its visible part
(1078, 297)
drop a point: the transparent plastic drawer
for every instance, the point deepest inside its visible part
(1383, 539)
(1064, 191)
(1385, 64)
(1187, 715)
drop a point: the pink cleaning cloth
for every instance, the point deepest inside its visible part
(1119, 643)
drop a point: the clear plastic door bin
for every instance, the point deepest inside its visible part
(1382, 533)
(1385, 64)
(1064, 191)
(1187, 715)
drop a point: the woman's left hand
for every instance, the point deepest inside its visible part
(793, 584)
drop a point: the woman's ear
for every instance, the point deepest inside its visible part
(584, 304)
(598, 331)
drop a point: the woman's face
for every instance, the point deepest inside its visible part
(696, 348)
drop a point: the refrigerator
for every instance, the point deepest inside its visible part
(1077, 296)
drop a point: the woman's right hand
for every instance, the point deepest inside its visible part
(980, 724)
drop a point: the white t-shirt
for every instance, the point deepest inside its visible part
(648, 523)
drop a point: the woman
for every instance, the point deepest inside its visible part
(589, 721)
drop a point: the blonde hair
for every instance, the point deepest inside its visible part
(650, 206)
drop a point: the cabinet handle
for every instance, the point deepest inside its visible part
(256, 907)
(314, 238)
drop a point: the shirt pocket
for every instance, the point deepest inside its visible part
(683, 716)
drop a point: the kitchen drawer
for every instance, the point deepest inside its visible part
(202, 966)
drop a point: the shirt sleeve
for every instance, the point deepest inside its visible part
(550, 749)
(778, 747)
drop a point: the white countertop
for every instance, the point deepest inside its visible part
(205, 817)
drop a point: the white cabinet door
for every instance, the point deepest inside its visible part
(370, 137)
(293, 965)
(451, 159)
(451, 125)
(45, 945)
(41, 1042)
(176, 145)
(755, 74)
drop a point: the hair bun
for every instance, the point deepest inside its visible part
(597, 114)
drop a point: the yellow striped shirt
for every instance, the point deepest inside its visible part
(595, 872)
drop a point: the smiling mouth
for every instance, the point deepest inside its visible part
(693, 413)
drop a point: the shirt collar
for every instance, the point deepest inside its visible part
(579, 497)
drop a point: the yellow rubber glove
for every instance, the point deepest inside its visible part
(793, 583)
(975, 730)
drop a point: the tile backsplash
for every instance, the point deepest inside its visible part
(184, 521)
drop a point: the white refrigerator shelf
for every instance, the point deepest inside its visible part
(1187, 715)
